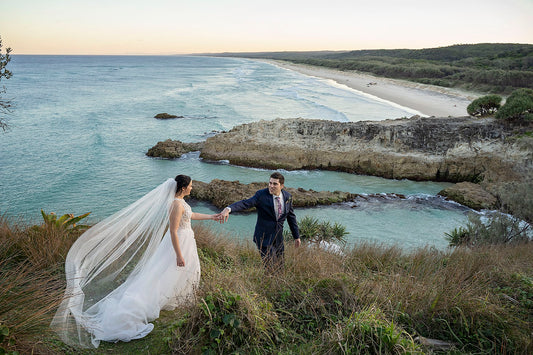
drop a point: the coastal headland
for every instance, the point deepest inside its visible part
(437, 149)
(453, 149)
(485, 155)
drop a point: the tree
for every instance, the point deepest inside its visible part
(484, 106)
(5, 104)
(519, 105)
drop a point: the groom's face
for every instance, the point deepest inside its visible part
(274, 187)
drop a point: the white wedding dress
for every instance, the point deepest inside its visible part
(93, 311)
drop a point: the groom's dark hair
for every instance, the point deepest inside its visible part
(278, 176)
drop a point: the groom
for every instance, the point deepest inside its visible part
(274, 206)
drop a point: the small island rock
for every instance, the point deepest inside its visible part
(166, 116)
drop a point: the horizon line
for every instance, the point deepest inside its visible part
(268, 51)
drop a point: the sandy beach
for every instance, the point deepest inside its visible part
(426, 100)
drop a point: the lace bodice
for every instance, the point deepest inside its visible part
(186, 217)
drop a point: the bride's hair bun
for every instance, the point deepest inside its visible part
(182, 181)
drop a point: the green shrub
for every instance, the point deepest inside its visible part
(458, 236)
(65, 222)
(226, 322)
(519, 105)
(517, 199)
(368, 332)
(518, 289)
(312, 230)
(499, 228)
(484, 106)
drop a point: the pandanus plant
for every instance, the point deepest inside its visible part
(65, 222)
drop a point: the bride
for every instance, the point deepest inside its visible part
(124, 270)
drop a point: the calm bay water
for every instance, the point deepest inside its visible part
(82, 125)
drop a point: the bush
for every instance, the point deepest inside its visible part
(226, 322)
(368, 332)
(498, 228)
(66, 222)
(312, 230)
(517, 199)
(458, 236)
(484, 106)
(519, 105)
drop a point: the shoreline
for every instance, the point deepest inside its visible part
(428, 100)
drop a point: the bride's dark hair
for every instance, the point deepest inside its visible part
(182, 181)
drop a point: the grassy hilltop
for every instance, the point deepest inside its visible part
(487, 67)
(367, 300)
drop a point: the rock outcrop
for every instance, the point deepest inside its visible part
(221, 193)
(454, 149)
(166, 116)
(471, 195)
(437, 149)
(170, 149)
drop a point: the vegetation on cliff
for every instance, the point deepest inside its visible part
(369, 299)
(484, 106)
(491, 67)
(518, 106)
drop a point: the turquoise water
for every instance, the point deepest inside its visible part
(82, 125)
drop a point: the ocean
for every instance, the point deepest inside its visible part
(81, 126)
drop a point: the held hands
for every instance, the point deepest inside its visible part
(220, 217)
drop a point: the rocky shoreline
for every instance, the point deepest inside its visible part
(454, 149)
(221, 193)
(434, 149)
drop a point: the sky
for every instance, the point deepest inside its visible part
(214, 26)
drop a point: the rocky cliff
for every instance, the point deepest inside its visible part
(438, 149)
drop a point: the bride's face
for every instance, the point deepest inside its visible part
(187, 190)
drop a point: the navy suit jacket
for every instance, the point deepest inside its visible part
(268, 229)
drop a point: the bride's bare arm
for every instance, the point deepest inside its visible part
(202, 216)
(175, 218)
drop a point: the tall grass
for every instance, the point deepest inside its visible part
(31, 282)
(371, 299)
(374, 299)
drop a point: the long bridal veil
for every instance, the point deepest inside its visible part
(105, 257)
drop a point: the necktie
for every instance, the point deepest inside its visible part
(278, 201)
